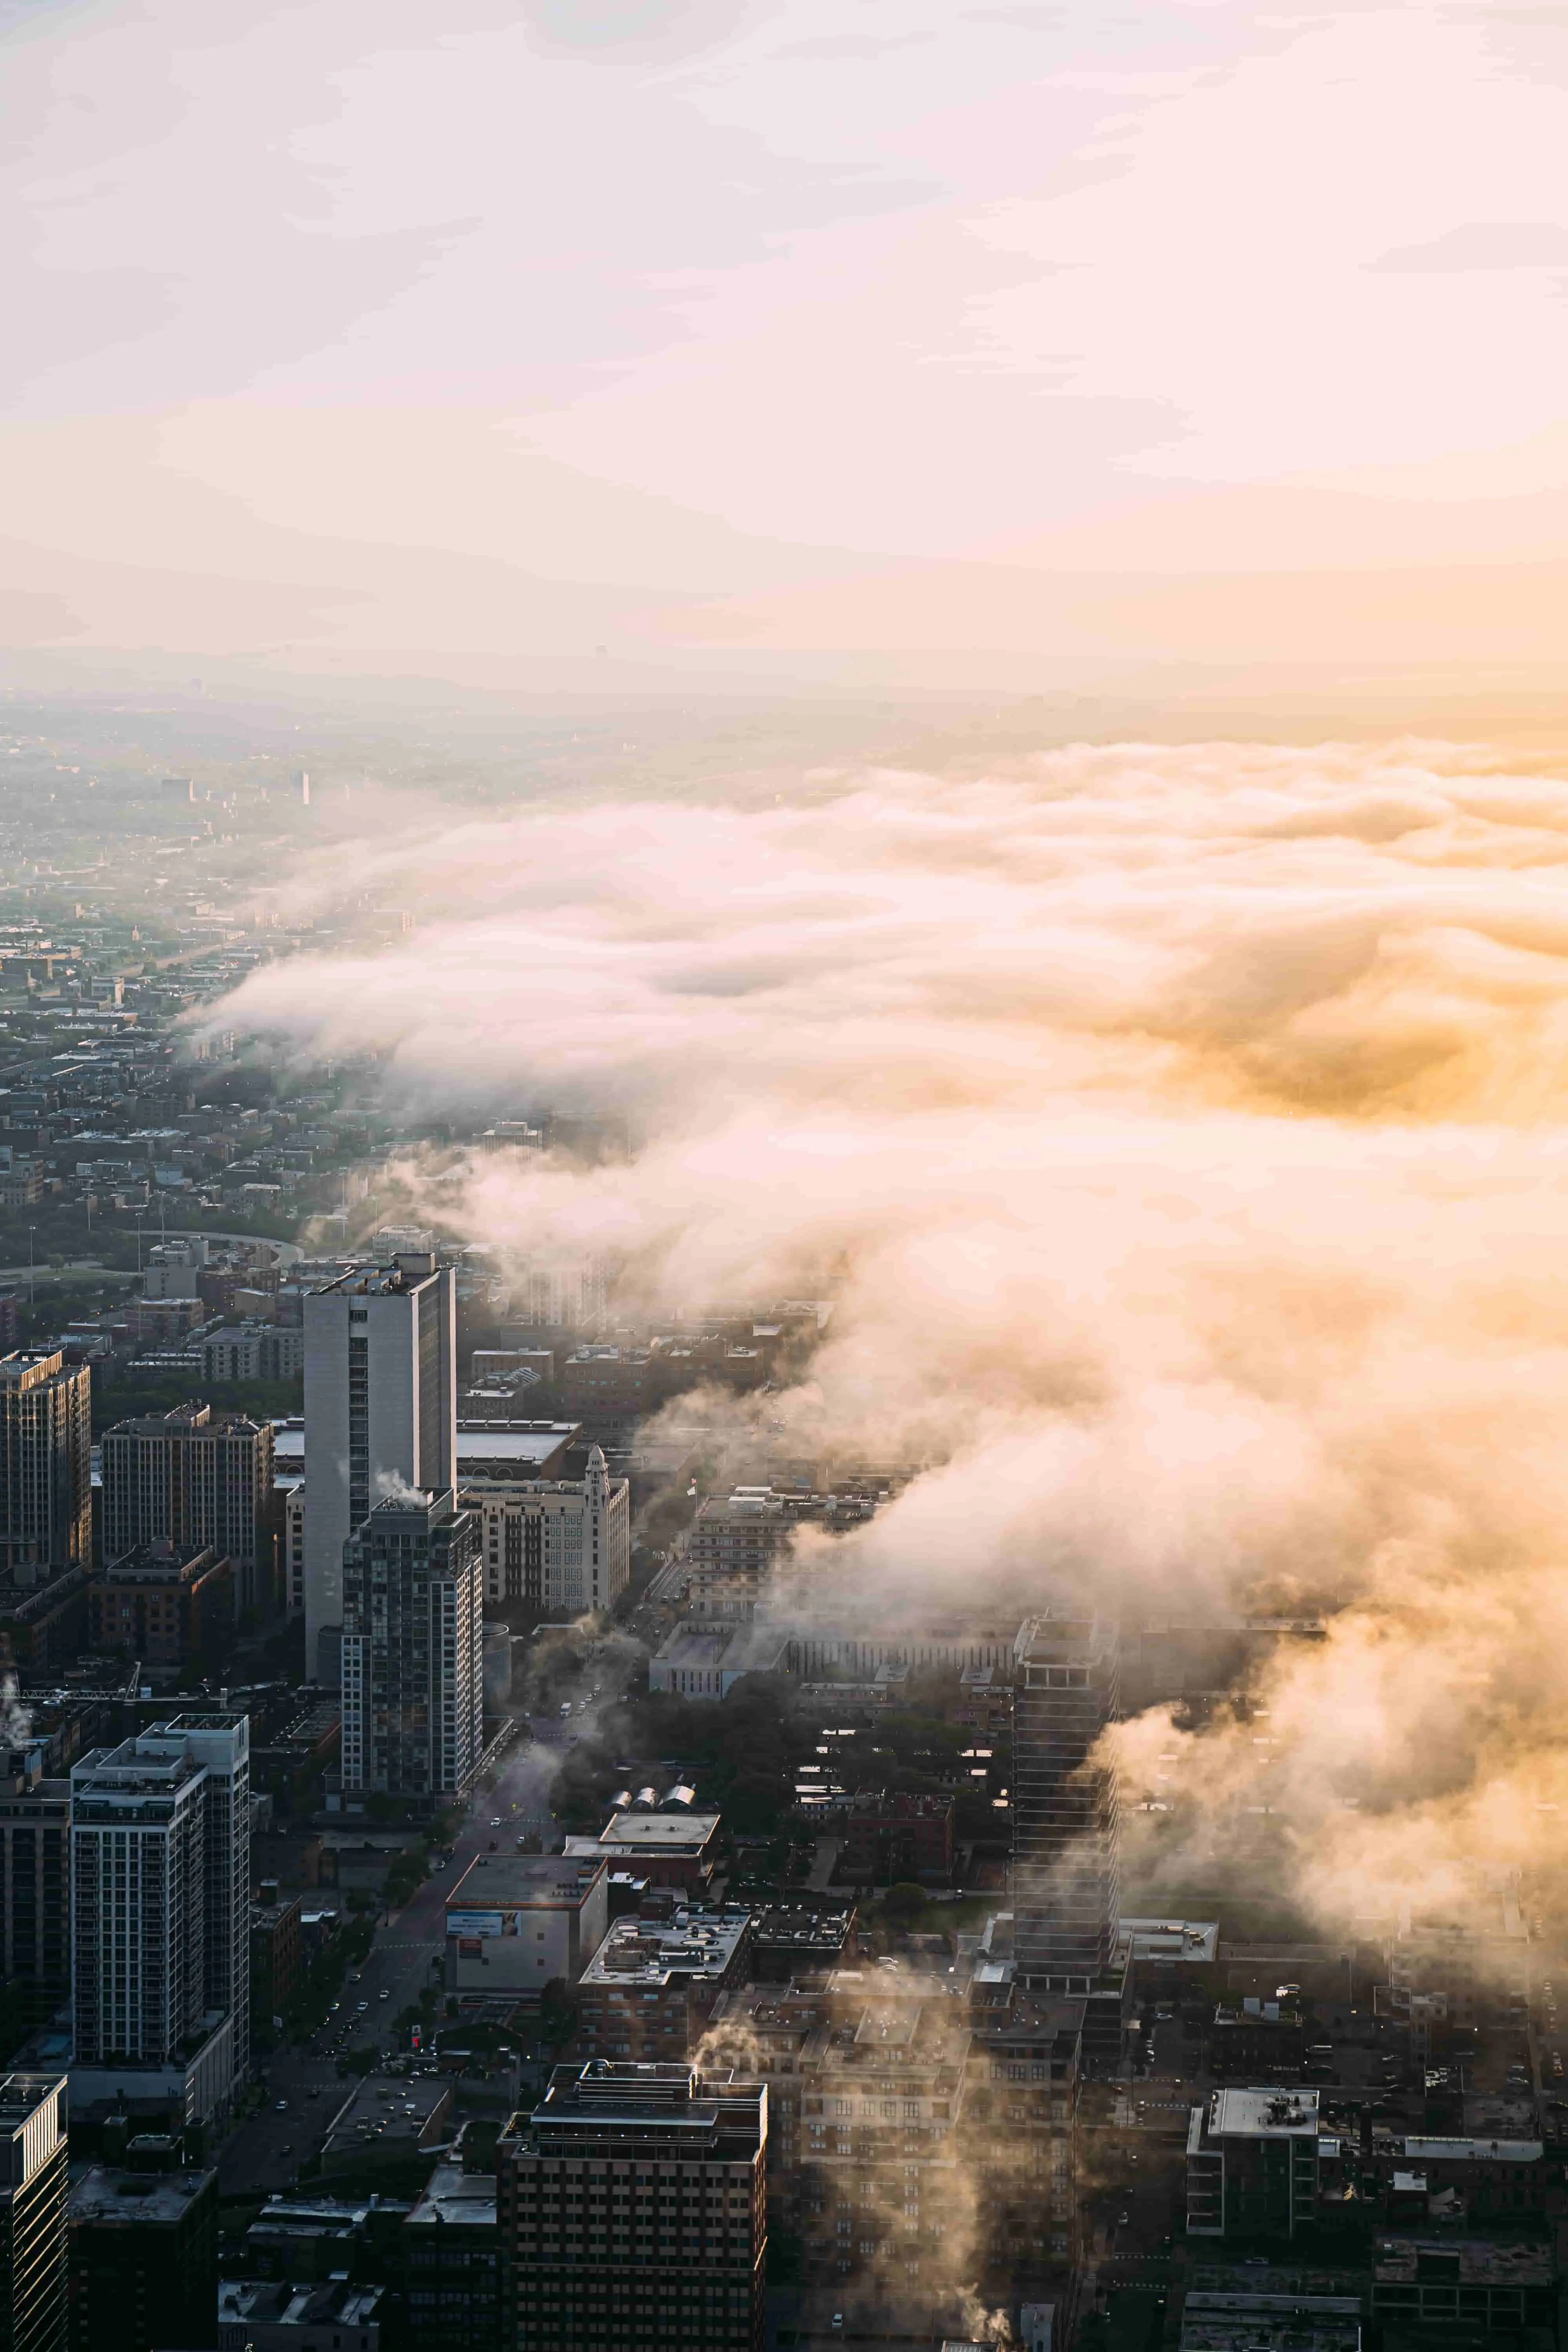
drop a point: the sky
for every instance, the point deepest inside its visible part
(727, 333)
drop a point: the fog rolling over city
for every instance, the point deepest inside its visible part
(1175, 1131)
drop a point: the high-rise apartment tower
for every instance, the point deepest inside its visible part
(632, 2212)
(34, 1890)
(195, 1476)
(46, 1462)
(161, 1898)
(413, 1649)
(1065, 1826)
(380, 1415)
(33, 2193)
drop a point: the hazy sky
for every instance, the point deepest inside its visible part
(883, 322)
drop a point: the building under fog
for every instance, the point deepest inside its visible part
(1065, 1826)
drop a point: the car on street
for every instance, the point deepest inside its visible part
(386, 1994)
(494, 1823)
(281, 2108)
(361, 2006)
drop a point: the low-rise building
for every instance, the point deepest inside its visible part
(649, 1990)
(1252, 2164)
(799, 1939)
(297, 2238)
(451, 2262)
(706, 1661)
(516, 1923)
(1214, 2321)
(1257, 2040)
(1459, 2181)
(666, 1849)
(902, 1836)
(1484, 2288)
(253, 1352)
(271, 2315)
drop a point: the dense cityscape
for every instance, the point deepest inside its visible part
(483, 1864)
(784, 1176)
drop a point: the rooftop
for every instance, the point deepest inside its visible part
(453, 2195)
(335, 2304)
(1192, 1941)
(1270, 2323)
(527, 1448)
(793, 1924)
(1263, 2114)
(1467, 2262)
(407, 1271)
(104, 2193)
(656, 1832)
(546, 1882)
(652, 1951)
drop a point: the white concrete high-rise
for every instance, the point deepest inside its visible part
(161, 1898)
(380, 1417)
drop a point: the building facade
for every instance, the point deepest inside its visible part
(161, 1896)
(195, 1476)
(632, 2213)
(294, 1551)
(553, 1546)
(46, 1462)
(35, 1891)
(450, 2264)
(413, 1649)
(1066, 1821)
(516, 1923)
(380, 1410)
(1252, 2164)
(33, 2191)
(144, 2258)
(168, 1604)
(654, 1981)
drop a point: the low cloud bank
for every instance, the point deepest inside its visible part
(1181, 1133)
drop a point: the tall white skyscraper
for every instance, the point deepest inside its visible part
(161, 1898)
(380, 1362)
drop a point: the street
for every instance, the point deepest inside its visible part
(265, 2154)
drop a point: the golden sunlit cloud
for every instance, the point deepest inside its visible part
(1181, 1135)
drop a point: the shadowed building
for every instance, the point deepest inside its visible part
(46, 1462)
(1065, 1826)
(33, 2187)
(632, 2206)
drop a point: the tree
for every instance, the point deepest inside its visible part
(904, 1904)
